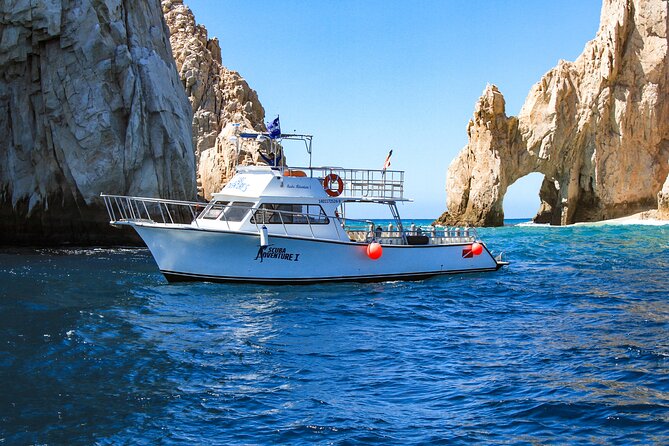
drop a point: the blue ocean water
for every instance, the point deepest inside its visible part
(569, 344)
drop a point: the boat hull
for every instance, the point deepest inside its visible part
(192, 254)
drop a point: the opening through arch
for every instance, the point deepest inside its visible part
(521, 200)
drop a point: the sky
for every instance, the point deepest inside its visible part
(367, 76)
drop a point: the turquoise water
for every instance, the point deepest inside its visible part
(568, 344)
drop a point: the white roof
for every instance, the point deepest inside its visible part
(262, 181)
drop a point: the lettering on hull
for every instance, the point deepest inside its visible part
(270, 253)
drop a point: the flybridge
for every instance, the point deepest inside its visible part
(356, 184)
(367, 184)
(361, 184)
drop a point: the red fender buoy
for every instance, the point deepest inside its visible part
(374, 250)
(477, 248)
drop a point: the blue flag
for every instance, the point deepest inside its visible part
(274, 129)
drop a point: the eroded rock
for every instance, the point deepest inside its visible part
(597, 128)
(663, 201)
(222, 101)
(90, 102)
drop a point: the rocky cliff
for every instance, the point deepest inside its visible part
(597, 128)
(663, 201)
(222, 101)
(90, 102)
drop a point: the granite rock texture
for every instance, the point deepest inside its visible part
(223, 103)
(90, 102)
(597, 128)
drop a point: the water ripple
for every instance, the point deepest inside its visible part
(567, 344)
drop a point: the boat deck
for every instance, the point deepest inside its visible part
(365, 184)
(358, 184)
(127, 210)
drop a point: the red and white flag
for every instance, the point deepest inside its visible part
(387, 163)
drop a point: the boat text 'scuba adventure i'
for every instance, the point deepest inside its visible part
(280, 225)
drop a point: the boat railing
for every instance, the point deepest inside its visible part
(292, 223)
(124, 209)
(415, 236)
(364, 183)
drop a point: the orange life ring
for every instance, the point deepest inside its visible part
(294, 173)
(328, 183)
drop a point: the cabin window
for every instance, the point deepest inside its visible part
(276, 213)
(237, 211)
(316, 215)
(214, 210)
(227, 211)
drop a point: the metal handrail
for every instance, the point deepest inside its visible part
(122, 209)
(364, 183)
(125, 209)
(435, 235)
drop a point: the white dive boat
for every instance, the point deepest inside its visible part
(284, 225)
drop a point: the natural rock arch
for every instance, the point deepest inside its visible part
(597, 128)
(522, 197)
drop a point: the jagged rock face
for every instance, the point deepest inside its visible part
(491, 140)
(663, 201)
(222, 101)
(597, 128)
(90, 102)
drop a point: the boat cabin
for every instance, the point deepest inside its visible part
(308, 202)
(311, 202)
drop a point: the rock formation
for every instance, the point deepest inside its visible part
(90, 102)
(597, 128)
(663, 201)
(223, 103)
